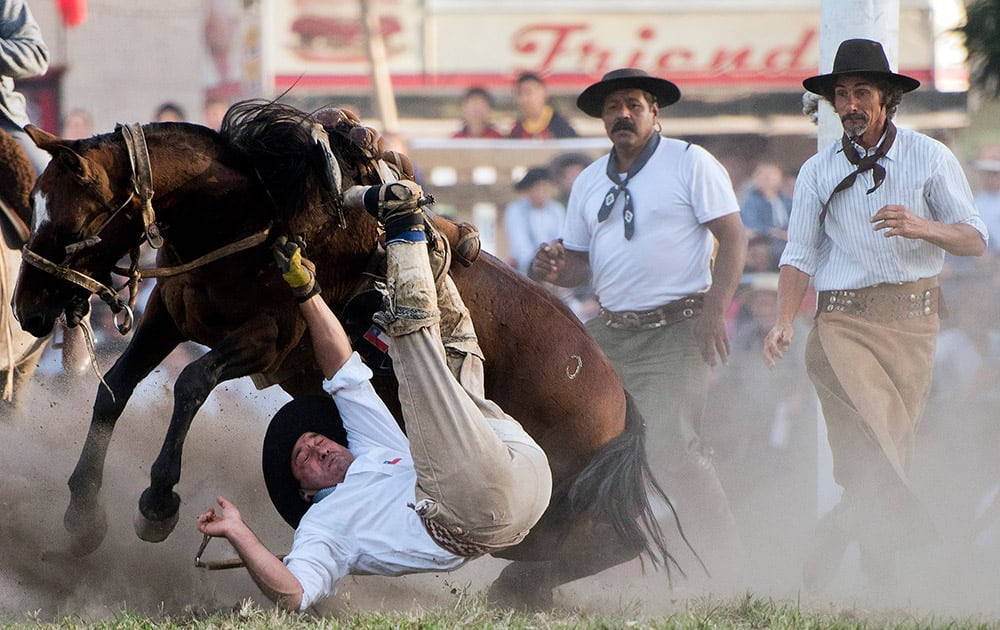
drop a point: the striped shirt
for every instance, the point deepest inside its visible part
(846, 252)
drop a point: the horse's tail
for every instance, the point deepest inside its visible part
(620, 480)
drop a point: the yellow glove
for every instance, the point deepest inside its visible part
(299, 272)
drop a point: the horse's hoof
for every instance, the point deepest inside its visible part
(86, 529)
(150, 528)
(153, 531)
(521, 586)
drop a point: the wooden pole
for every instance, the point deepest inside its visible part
(381, 81)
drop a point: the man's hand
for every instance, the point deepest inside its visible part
(777, 341)
(548, 262)
(269, 573)
(298, 271)
(898, 221)
(220, 525)
(710, 332)
(958, 239)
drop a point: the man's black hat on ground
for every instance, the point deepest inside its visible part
(591, 100)
(308, 414)
(858, 56)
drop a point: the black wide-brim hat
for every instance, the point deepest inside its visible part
(308, 414)
(591, 100)
(863, 57)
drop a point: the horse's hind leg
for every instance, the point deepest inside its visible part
(587, 549)
(243, 352)
(153, 340)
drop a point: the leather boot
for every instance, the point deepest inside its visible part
(829, 544)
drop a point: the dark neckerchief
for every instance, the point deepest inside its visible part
(628, 213)
(862, 164)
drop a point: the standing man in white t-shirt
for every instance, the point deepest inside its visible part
(642, 220)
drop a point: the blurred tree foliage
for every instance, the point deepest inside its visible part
(982, 41)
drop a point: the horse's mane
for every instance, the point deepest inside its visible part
(17, 177)
(277, 139)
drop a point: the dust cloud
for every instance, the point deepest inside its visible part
(41, 445)
(774, 474)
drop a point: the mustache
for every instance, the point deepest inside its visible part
(854, 117)
(623, 125)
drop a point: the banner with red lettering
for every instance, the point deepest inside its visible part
(321, 43)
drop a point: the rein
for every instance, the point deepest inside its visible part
(227, 250)
(108, 295)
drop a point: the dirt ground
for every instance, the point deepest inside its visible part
(222, 456)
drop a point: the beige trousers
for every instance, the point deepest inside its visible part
(479, 474)
(873, 380)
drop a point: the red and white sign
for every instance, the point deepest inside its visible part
(321, 44)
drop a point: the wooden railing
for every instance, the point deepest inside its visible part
(473, 180)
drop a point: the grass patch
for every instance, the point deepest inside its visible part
(747, 612)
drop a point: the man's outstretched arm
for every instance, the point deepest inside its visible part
(267, 571)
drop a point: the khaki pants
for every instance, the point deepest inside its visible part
(873, 380)
(479, 474)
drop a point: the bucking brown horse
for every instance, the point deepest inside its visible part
(220, 200)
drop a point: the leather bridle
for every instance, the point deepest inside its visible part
(142, 188)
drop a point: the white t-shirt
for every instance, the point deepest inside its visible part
(680, 188)
(366, 525)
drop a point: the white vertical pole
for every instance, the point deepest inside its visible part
(840, 20)
(848, 19)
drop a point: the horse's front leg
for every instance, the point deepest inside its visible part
(250, 349)
(154, 338)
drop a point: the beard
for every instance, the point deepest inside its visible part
(855, 125)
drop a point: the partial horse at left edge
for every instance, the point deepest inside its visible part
(17, 348)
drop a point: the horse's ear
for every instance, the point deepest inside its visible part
(43, 139)
(58, 147)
